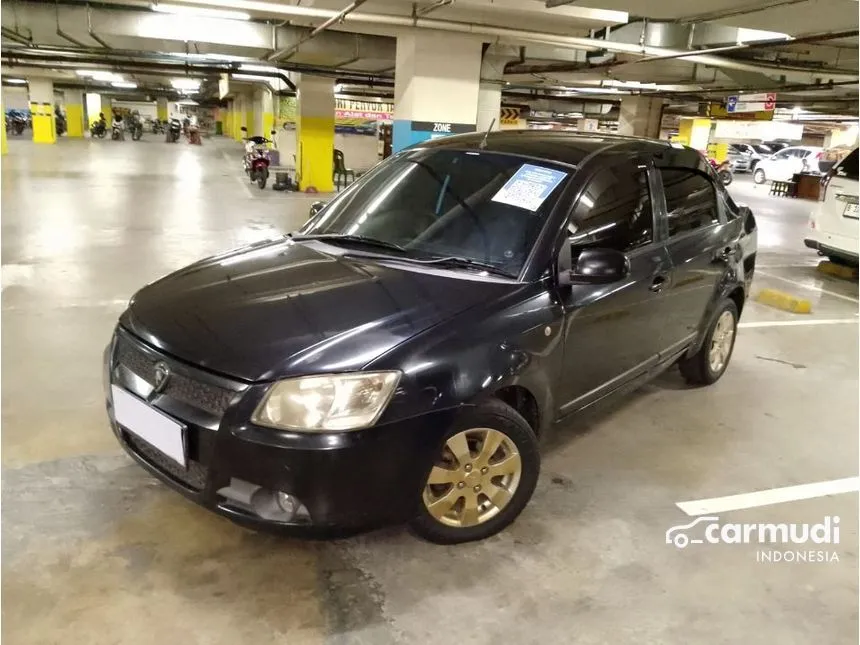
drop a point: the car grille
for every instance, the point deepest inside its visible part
(204, 396)
(193, 477)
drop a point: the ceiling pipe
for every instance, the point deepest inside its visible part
(15, 36)
(761, 44)
(420, 13)
(501, 34)
(336, 19)
(90, 29)
(731, 13)
(61, 33)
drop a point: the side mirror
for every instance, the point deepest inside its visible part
(316, 207)
(592, 266)
(273, 132)
(244, 129)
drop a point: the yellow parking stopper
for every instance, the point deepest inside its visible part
(837, 270)
(783, 301)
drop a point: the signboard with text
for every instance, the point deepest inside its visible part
(765, 102)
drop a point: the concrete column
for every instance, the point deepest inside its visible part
(93, 105)
(240, 118)
(315, 133)
(74, 103)
(42, 110)
(228, 120)
(490, 87)
(694, 133)
(264, 112)
(161, 109)
(4, 146)
(640, 116)
(436, 86)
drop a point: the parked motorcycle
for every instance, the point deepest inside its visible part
(157, 127)
(98, 129)
(136, 131)
(15, 123)
(723, 170)
(116, 131)
(174, 131)
(257, 160)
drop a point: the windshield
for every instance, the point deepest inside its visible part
(441, 204)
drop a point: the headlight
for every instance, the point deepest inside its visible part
(330, 402)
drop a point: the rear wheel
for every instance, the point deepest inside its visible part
(759, 176)
(262, 176)
(708, 364)
(481, 478)
(725, 177)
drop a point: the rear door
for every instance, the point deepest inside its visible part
(699, 245)
(838, 214)
(613, 331)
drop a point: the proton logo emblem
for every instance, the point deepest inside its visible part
(162, 375)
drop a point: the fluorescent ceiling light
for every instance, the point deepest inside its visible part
(250, 77)
(258, 68)
(16, 81)
(124, 84)
(101, 75)
(200, 11)
(185, 83)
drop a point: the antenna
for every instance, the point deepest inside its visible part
(483, 143)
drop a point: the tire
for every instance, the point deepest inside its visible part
(516, 458)
(262, 176)
(759, 176)
(700, 369)
(725, 177)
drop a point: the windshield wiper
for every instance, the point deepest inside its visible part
(357, 239)
(468, 263)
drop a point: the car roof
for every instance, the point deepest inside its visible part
(553, 145)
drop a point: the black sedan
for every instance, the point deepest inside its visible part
(402, 357)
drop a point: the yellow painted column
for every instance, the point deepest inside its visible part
(161, 109)
(74, 100)
(249, 123)
(4, 146)
(42, 110)
(94, 106)
(268, 124)
(44, 128)
(694, 133)
(315, 133)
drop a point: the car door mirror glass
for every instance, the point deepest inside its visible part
(599, 266)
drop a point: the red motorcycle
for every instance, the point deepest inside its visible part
(257, 159)
(723, 170)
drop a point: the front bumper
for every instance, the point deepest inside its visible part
(347, 482)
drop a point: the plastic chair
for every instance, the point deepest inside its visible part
(341, 172)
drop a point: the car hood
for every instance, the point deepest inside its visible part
(286, 308)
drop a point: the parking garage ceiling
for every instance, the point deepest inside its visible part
(807, 51)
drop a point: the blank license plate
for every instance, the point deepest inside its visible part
(154, 427)
(851, 210)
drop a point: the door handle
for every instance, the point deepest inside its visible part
(658, 283)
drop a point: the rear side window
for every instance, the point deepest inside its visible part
(848, 167)
(614, 210)
(691, 201)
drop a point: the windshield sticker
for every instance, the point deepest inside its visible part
(529, 187)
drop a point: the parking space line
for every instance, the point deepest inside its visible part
(808, 286)
(772, 496)
(797, 323)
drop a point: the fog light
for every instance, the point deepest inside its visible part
(288, 503)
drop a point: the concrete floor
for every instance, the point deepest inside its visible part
(97, 552)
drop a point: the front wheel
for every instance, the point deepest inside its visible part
(708, 364)
(758, 176)
(725, 177)
(481, 478)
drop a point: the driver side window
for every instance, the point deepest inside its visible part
(614, 210)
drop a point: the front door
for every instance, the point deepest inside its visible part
(613, 331)
(699, 246)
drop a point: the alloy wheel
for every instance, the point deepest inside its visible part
(721, 342)
(474, 479)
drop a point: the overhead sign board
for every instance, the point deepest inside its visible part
(717, 111)
(751, 103)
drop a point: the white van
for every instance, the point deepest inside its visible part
(834, 224)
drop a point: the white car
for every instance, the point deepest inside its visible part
(782, 165)
(834, 224)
